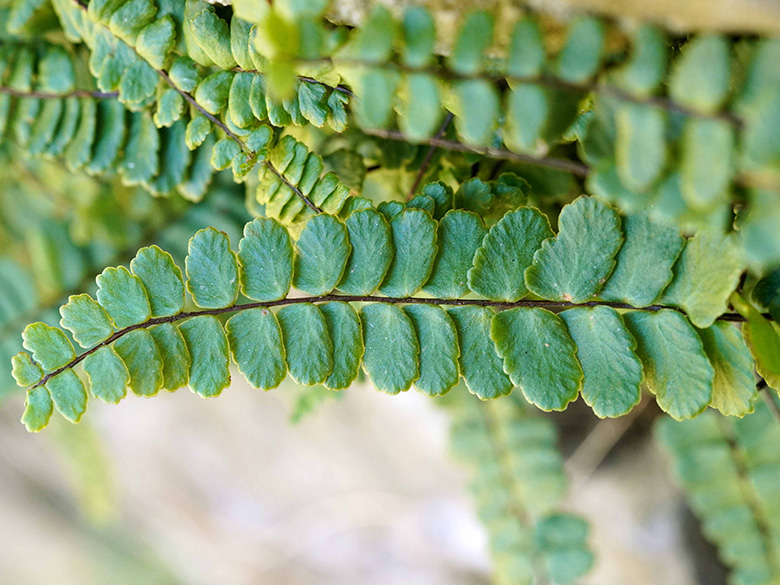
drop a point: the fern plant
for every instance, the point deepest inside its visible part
(543, 206)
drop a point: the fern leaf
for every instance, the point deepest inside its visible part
(730, 480)
(517, 484)
(551, 357)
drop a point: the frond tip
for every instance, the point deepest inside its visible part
(360, 280)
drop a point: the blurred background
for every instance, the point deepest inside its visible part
(361, 489)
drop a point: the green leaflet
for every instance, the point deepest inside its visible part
(459, 235)
(640, 145)
(644, 263)
(142, 358)
(156, 41)
(420, 113)
(208, 346)
(213, 92)
(162, 280)
(391, 357)
(480, 366)
(676, 369)
(108, 375)
(474, 38)
(377, 89)
(86, 320)
(707, 162)
(174, 353)
(538, 355)
(49, 346)
(68, 394)
(321, 255)
(763, 339)
(123, 297)
(766, 294)
(266, 257)
(505, 253)
(25, 371)
(700, 77)
(211, 33)
(733, 387)
(562, 540)
(526, 51)
(647, 66)
(528, 109)
(372, 252)
(575, 264)
(605, 350)
(307, 343)
(581, 55)
(345, 333)
(212, 270)
(37, 409)
(419, 36)
(476, 111)
(438, 349)
(256, 345)
(705, 275)
(414, 239)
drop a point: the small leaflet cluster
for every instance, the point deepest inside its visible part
(729, 469)
(411, 296)
(518, 485)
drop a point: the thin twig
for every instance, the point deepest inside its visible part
(560, 164)
(429, 156)
(362, 299)
(45, 95)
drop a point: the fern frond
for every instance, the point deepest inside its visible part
(518, 484)
(403, 339)
(55, 259)
(518, 95)
(730, 472)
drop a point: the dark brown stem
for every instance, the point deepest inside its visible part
(45, 95)
(560, 164)
(362, 299)
(429, 156)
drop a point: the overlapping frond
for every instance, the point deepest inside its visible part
(518, 485)
(730, 472)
